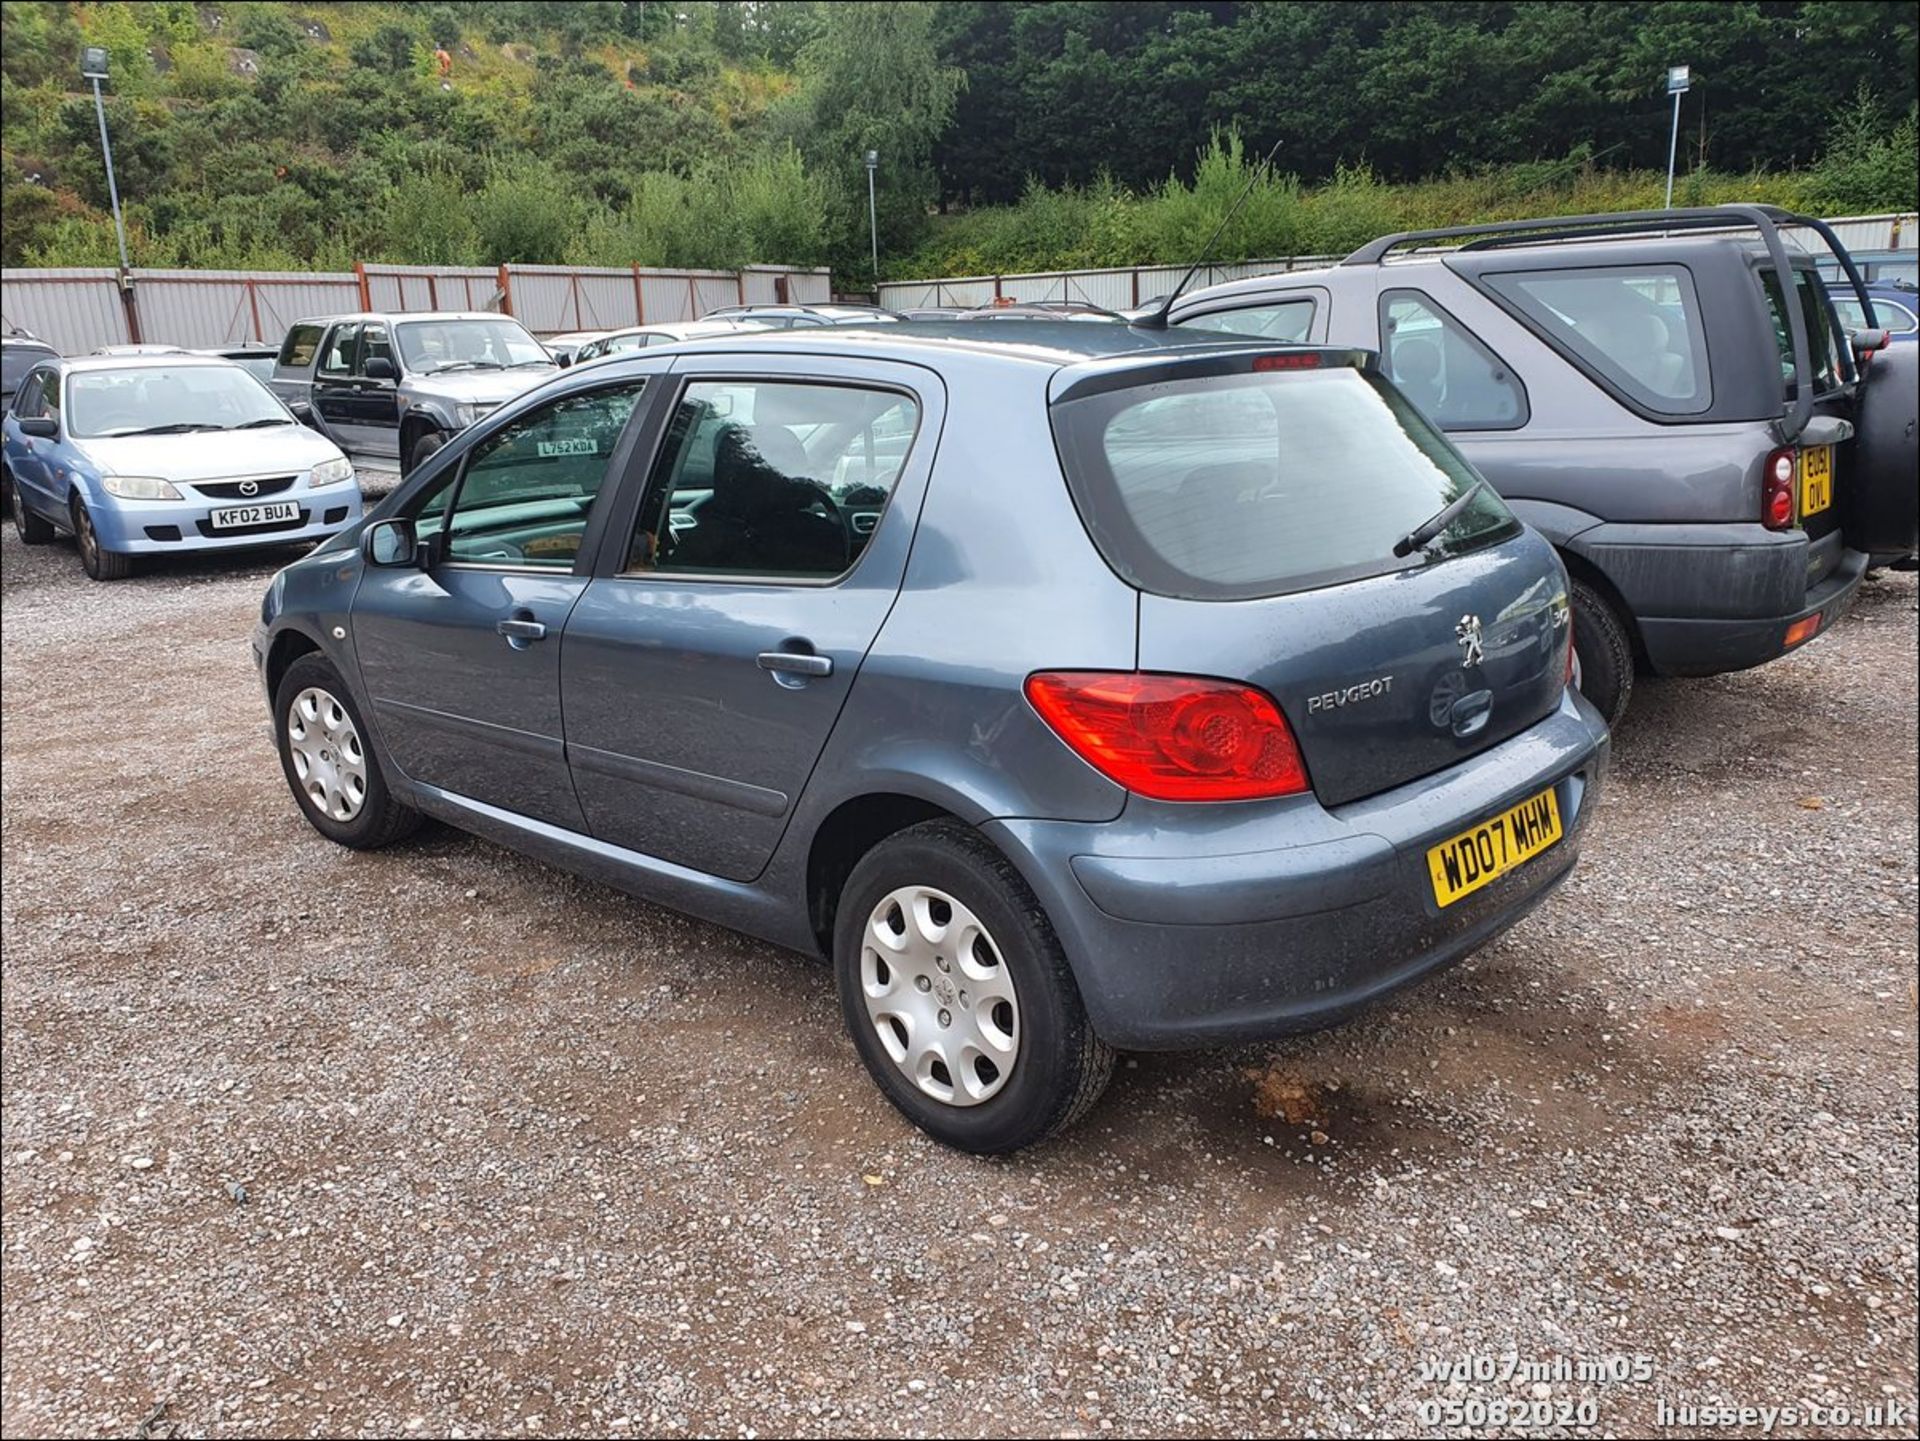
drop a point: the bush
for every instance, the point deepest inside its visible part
(525, 214)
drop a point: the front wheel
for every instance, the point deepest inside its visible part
(98, 562)
(958, 995)
(1602, 653)
(329, 762)
(423, 448)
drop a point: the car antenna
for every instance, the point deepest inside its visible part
(1158, 320)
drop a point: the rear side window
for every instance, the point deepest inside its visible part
(1442, 367)
(1636, 328)
(770, 478)
(297, 350)
(1224, 487)
(1284, 320)
(337, 360)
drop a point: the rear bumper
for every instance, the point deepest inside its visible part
(1192, 926)
(1712, 598)
(1712, 646)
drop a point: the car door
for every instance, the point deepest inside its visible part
(375, 402)
(460, 660)
(736, 597)
(29, 457)
(334, 388)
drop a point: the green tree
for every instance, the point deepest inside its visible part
(872, 79)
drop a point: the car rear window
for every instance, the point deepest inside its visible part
(297, 350)
(17, 360)
(1635, 327)
(1222, 487)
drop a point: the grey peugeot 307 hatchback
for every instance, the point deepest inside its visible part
(1096, 686)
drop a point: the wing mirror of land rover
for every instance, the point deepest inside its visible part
(1865, 342)
(303, 413)
(380, 368)
(44, 426)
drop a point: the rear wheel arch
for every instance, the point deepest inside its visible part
(1587, 573)
(848, 832)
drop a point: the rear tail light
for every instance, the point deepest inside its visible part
(1776, 489)
(1567, 680)
(1297, 360)
(1173, 737)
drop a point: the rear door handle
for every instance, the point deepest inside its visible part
(795, 662)
(521, 632)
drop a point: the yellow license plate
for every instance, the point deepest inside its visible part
(1816, 479)
(1462, 865)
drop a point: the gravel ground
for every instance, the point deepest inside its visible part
(442, 1142)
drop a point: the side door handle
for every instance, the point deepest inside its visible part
(789, 662)
(521, 631)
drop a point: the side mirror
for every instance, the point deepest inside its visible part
(378, 367)
(303, 413)
(1865, 342)
(563, 360)
(44, 426)
(391, 543)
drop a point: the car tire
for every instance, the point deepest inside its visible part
(98, 562)
(324, 748)
(1056, 1066)
(423, 448)
(1602, 653)
(32, 529)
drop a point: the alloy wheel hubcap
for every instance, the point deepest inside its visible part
(327, 754)
(939, 996)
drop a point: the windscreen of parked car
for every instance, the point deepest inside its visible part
(1637, 327)
(1233, 486)
(167, 400)
(431, 346)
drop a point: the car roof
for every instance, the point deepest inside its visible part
(395, 315)
(80, 364)
(1571, 254)
(1049, 344)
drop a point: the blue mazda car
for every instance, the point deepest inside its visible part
(162, 453)
(1070, 686)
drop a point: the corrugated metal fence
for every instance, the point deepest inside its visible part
(1127, 287)
(80, 310)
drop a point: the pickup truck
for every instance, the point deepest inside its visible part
(398, 387)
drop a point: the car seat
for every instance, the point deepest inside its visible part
(763, 514)
(1416, 370)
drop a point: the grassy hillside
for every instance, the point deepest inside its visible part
(717, 132)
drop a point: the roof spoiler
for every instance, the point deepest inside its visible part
(1767, 219)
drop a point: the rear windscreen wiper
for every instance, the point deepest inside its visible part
(1423, 533)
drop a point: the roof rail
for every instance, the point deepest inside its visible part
(1767, 219)
(1616, 222)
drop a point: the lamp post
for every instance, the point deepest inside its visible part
(93, 66)
(1678, 78)
(873, 219)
